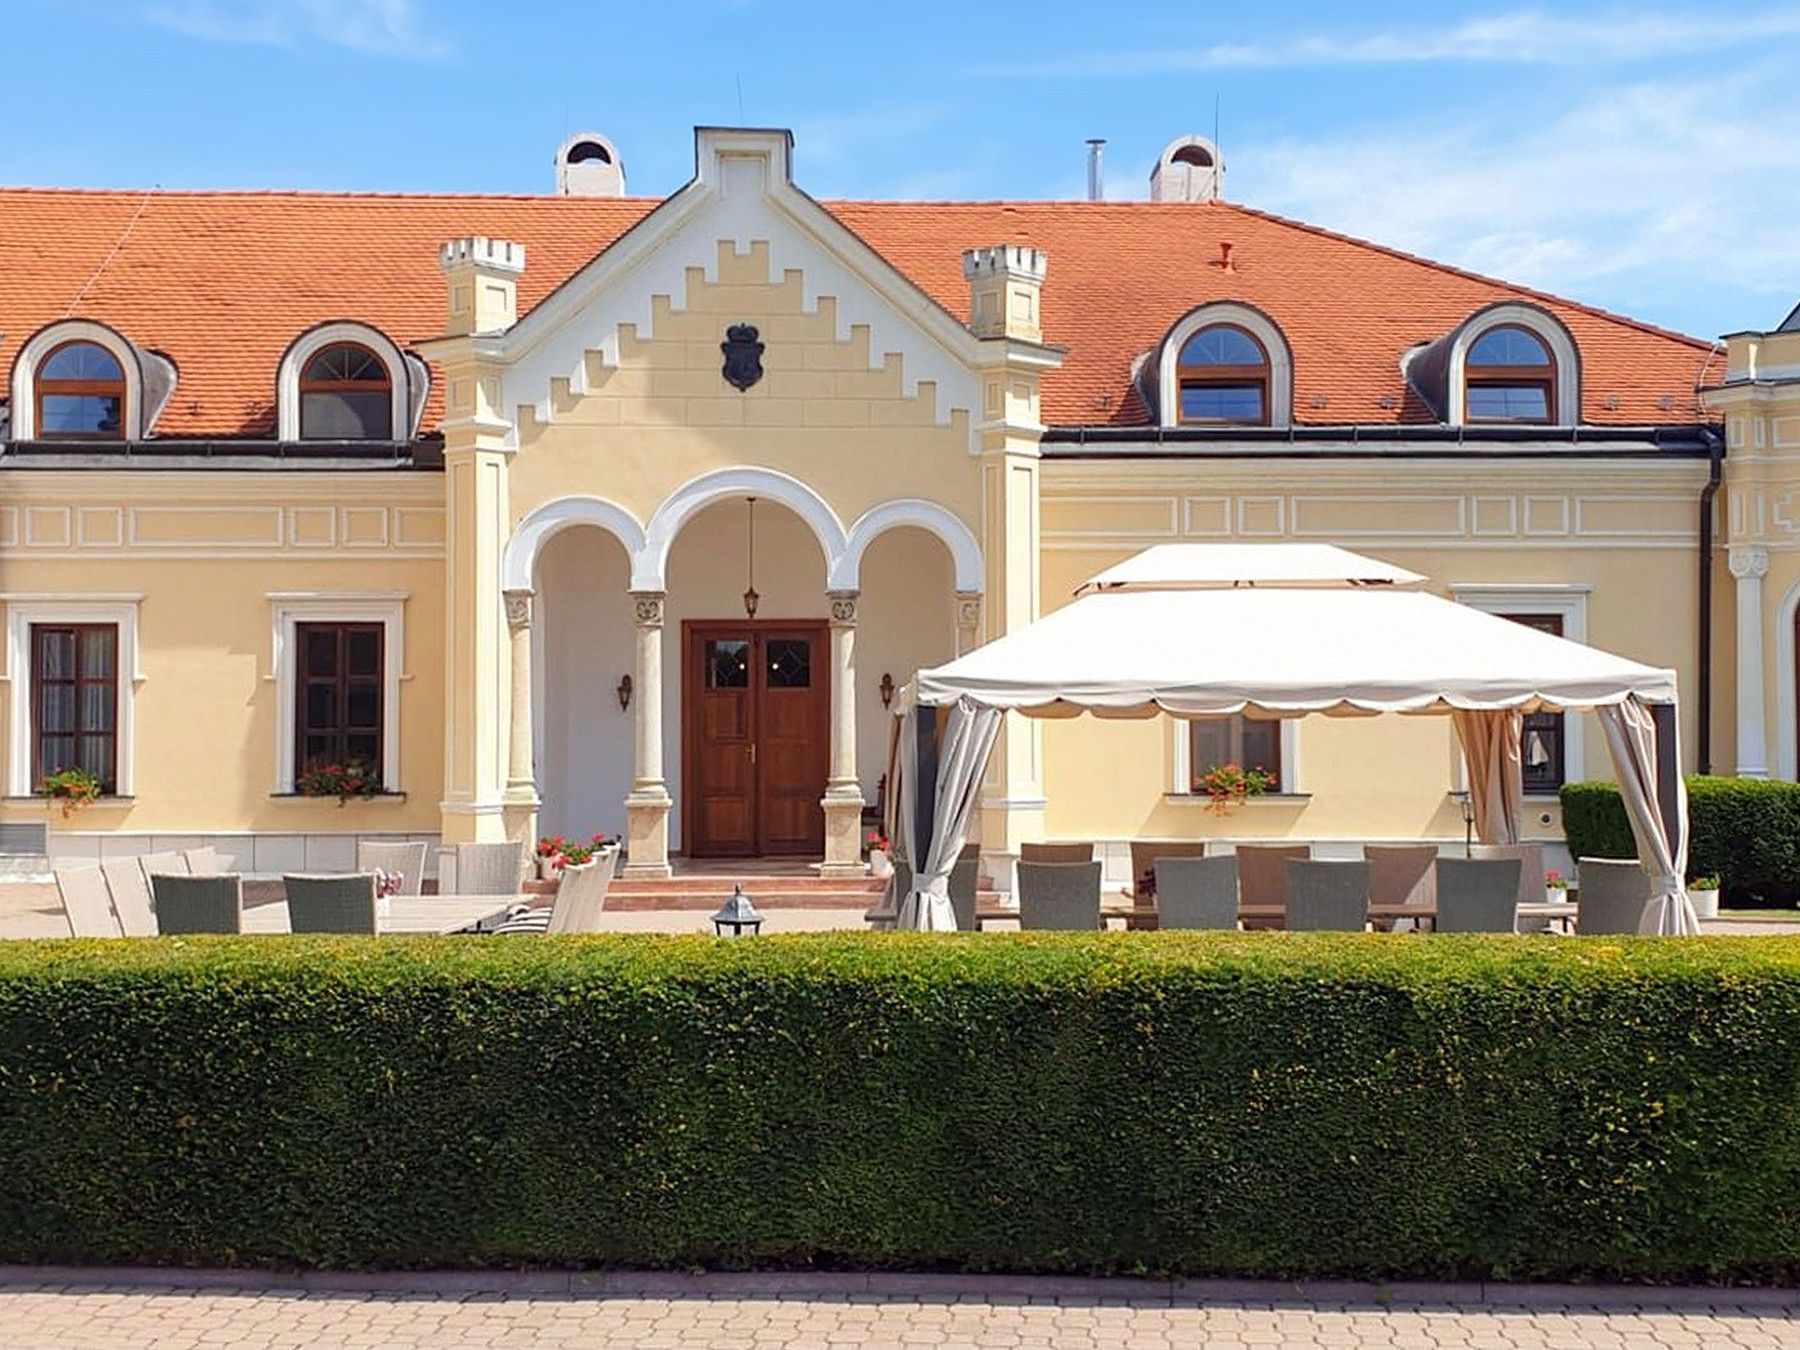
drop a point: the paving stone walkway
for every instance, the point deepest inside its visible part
(161, 1312)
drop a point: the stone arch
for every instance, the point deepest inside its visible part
(518, 563)
(650, 566)
(965, 549)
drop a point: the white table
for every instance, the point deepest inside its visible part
(404, 913)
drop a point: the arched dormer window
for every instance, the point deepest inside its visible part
(1223, 364)
(80, 390)
(346, 381)
(77, 379)
(1510, 364)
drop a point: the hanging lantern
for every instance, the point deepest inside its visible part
(750, 596)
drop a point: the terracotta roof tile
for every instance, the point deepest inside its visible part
(222, 282)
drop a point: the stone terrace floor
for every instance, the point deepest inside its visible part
(149, 1309)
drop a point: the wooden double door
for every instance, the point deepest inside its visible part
(756, 728)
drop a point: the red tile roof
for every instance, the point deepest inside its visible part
(222, 282)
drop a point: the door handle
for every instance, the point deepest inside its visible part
(753, 752)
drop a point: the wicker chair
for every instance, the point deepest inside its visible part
(1262, 875)
(1194, 892)
(1402, 874)
(1145, 853)
(1478, 895)
(1056, 853)
(130, 890)
(406, 858)
(336, 903)
(1612, 896)
(203, 862)
(490, 869)
(580, 898)
(1327, 896)
(965, 879)
(86, 902)
(1059, 896)
(187, 904)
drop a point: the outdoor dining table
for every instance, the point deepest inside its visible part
(406, 914)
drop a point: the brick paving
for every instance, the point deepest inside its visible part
(160, 1311)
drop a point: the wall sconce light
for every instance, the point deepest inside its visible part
(624, 693)
(887, 689)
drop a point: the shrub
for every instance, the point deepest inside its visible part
(1745, 831)
(1260, 1105)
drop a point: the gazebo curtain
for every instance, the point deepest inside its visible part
(1490, 744)
(1647, 762)
(968, 739)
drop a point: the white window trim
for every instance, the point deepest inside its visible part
(1258, 325)
(302, 349)
(47, 340)
(1567, 600)
(23, 611)
(1181, 782)
(1548, 329)
(291, 608)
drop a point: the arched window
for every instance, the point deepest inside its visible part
(346, 394)
(80, 390)
(1509, 376)
(1223, 376)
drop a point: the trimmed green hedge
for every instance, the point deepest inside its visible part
(1745, 831)
(1256, 1104)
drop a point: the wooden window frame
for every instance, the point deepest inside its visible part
(109, 780)
(53, 387)
(1539, 377)
(302, 728)
(1195, 376)
(311, 386)
(1196, 770)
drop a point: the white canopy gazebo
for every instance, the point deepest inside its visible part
(1287, 630)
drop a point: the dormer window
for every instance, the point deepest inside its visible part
(346, 394)
(1223, 375)
(80, 390)
(1509, 376)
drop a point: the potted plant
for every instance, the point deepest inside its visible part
(71, 789)
(881, 862)
(1704, 892)
(343, 781)
(554, 853)
(1229, 785)
(1556, 887)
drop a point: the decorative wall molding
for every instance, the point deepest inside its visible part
(217, 528)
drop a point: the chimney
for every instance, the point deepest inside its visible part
(482, 276)
(1096, 170)
(588, 165)
(1190, 169)
(1004, 284)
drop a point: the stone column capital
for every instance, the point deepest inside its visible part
(647, 608)
(518, 608)
(968, 609)
(1748, 561)
(843, 608)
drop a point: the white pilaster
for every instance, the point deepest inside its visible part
(521, 778)
(647, 804)
(843, 801)
(1750, 564)
(968, 621)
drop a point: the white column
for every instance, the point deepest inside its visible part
(521, 779)
(647, 805)
(843, 801)
(1749, 564)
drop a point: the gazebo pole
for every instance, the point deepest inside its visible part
(924, 791)
(1668, 769)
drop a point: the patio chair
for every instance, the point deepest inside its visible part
(1328, 897)
(1195, 892)
(490, 869)
(579, 900)
(186, 904)
(1531, 874)
(965, 879)
(86, 902)
(203, 862)
(1262, 878)
(1056, 853)
(1612, 895)
(130, 890)
(1402, 874)
(334, 903)
(408, 859)
(1478, 895)
(168, 864)
(887, 909)
(1145, 854)
(1059, 895)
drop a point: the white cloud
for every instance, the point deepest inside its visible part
(379, 27)
(1517, 37)
(1652, 189)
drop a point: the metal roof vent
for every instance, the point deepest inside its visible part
(1190, 169)
(588, 165)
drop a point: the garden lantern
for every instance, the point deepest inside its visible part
(737, 915)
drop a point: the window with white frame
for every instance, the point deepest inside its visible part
(1225, 363)
(1203, 744)
(1514, 363)
(72, 662)
(1550, 748)
(344, 381)
(336, 665)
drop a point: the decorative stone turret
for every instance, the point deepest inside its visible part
(483, 283)
(1005, 283)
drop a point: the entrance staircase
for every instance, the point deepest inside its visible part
(708, 891)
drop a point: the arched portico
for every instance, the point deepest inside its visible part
(651, 569)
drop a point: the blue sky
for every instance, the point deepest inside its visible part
(1642, 157)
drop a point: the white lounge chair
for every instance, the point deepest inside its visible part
(86, 902)
(130, 890)
(580, 897)
(406, 858)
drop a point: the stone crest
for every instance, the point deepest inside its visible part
(743, 356)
